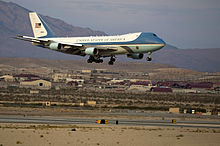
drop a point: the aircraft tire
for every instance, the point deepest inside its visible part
(113, 59)
(89, 61)
(110, 62)
(149, 58)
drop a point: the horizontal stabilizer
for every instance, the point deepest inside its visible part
(44, 40)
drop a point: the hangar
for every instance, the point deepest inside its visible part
(36, 84)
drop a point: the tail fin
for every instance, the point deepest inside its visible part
(39, 27)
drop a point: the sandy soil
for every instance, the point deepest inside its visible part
(89, 135)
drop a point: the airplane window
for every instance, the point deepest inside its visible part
(154, 35)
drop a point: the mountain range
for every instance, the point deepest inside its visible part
(14, 20)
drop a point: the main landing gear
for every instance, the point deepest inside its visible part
(112, 60)
(149, 58)
(96, 60)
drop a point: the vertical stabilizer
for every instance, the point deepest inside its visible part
(39, 27)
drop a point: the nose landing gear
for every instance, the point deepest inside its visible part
(149, 58)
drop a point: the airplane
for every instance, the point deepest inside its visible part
(134, 45)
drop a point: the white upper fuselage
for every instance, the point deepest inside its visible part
(99, 39)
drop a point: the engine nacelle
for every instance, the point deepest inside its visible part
(91, 51)
(135, 56)
(55, 46)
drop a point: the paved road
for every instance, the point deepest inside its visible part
(68, 120)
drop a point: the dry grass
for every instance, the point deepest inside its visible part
(103, 134)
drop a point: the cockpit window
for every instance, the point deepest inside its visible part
(154, 34)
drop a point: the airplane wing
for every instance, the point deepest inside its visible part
(77, 50)
(106, 48)
(65, 47)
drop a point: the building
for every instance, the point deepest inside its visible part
(216, 87)
(135, 73)
(24, 77)
(34, 92)
(203, 85)
(161, 89)
(36, 84)
(92, 103)
(75, 82)
(7, 78)
(179, 90)
(141, 82)
(114, 81)
(99, 71)
(174, 110)
(72, 84)
(86, 71)
(175, 84)
(139, 88)
(59, 77)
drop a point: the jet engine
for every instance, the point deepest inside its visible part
(135, 56)
(55, 46)
(91, 51)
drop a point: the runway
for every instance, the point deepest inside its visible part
(70, 120)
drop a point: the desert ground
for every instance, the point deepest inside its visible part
(89, 135)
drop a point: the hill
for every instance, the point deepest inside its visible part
(14, 20)
(204, 60)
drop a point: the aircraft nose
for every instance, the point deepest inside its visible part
(160, 41)
(164, 43)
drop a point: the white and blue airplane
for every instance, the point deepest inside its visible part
(134, 45)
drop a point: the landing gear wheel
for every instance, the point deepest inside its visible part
(99, 61)
(112, 59)
(89, 61)
(110, 62)
(149, 58)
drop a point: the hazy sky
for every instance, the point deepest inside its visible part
(182, 23)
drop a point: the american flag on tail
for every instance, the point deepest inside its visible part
(37, 25)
